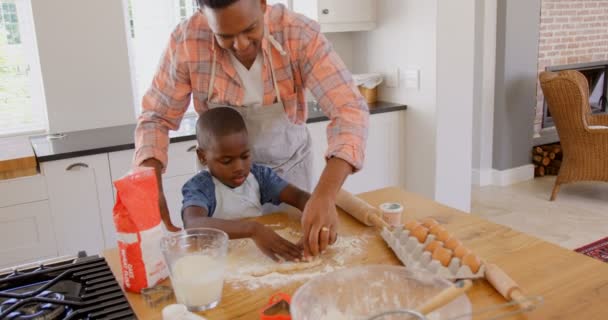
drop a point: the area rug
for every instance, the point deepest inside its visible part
(597, 250)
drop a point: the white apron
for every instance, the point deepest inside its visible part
(237, 203)
(275, 141)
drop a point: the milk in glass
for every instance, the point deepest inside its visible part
(198, 280)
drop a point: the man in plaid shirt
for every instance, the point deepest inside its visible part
(259, 59)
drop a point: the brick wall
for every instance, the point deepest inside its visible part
(571, 31)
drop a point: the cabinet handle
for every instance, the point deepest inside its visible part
(76, 165)
(192, 148)
(325, 11)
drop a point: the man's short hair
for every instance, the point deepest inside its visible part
(218, 122)
(215, 4)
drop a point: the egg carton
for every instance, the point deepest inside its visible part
(412, 254)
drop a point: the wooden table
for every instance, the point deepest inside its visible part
(574, 286)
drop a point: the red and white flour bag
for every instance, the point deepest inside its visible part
(138, 224)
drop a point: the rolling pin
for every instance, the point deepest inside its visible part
(360, 209)
(506, 286)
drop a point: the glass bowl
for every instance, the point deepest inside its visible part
(361, 292)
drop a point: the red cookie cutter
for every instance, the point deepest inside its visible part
(277, 308)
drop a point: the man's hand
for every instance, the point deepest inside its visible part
(319, 224)
(162, 201)
(273, 245)
(320, 219)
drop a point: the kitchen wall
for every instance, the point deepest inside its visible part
(84, 61)
(516, 77)
(405, 37)
(483, 106)
(456, 73)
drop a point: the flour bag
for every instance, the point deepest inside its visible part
(138, 225)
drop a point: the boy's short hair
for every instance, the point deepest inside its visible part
(218, 122)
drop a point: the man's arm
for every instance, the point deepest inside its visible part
(163, 107)
(324, 73)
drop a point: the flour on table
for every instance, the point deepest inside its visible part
(249, 268)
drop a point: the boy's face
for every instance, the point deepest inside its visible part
(228, 158)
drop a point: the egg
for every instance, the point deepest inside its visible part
(452, 243)
(433, 245)
(461, 251)
(442, 255)
(436, 229)
(420, 232)
(411, 225)
(443, 235)
(429, 222)
(472, 261)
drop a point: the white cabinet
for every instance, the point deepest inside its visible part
(26, 228)
(383, 165)
(26, 233)
(339, 15)
(80, 195)
(182, 166)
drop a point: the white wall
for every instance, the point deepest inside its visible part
(483, 115)
(84, 61)
(405, 38)
(455, 98)
(343, 43)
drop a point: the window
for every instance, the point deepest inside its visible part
(151, 24)
(22, 107)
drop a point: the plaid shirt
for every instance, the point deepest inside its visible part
(310, 62)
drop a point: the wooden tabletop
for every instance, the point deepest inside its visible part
(573, 286)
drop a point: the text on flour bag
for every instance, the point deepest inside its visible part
(139, 230)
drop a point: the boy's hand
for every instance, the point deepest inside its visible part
(274, 245)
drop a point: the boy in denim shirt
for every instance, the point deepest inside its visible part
(233, 187)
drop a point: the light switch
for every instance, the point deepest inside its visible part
(412, 79)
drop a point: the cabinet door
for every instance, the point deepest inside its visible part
(80, 194)
(382, 167)
(182, 160)
(339, 15)
(346, 11)
(319, 147)
(173, 194)
(26, 233)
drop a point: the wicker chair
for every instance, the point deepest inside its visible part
(584, 137)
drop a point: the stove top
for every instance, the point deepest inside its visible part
(81, 287)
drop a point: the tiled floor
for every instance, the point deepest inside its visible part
(578, 216)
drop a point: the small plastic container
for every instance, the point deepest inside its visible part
(392, 213)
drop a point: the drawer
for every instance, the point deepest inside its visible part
(182, 160)
(22, 190)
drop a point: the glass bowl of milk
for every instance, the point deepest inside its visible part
(197, 261)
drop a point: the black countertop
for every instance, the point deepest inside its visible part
(111, 139)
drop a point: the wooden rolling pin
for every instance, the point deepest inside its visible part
(360, 210)
(506, 286)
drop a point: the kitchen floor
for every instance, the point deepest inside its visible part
(579, 215)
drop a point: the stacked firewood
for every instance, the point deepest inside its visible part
(547, 159)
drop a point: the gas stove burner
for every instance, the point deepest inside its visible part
(37, 310)
(75, 288)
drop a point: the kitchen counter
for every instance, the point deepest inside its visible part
(17, 159)
(574, 286)
(111, 139)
